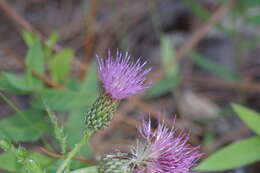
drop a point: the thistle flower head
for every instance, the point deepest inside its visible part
(160, 151)
(120, 77)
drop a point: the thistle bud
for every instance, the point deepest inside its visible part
(101, 113)
(120, 79)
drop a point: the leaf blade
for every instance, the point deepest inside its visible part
(17, 129)
(229, 157)
(250, 117)
(34, 61)
(60, 64)
(213, 67)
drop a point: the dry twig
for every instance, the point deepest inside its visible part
(56, 155)
(90, 36)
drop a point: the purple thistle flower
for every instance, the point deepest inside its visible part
(120, 77)
(162, 151)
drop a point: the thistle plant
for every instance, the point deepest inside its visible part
(160, 151)
(120, 79)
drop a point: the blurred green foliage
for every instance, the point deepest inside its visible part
(239, 153)
(214, 68)
(18, 159)
(31, 124)
(171, 69)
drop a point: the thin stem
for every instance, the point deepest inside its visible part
(18, 111)
(73, 152)
(15, 109)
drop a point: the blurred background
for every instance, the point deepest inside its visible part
(204, 55)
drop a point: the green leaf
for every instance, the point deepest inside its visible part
(43, 160)
(50, 43)
(23, 157)
(5, 144)
(250, 117)
(90, 83)
(35, 61)
(29, 38)
(18, 159)
(63, 100)
(8, 162)
(235, 155)
(212, 67)
(172, 78)
(72, 84)
(92, 169)
(168, 57)
(12, 82)
(6, 86)
(39, 165)
(60, 64)
(18, 129)
(75, 126)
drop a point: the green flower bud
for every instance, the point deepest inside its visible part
(101, 113)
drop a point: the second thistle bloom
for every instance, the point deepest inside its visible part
(160, 151)
(120, 77)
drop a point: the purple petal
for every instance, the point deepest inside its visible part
(122, 78)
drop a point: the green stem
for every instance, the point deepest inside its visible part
(73, 152)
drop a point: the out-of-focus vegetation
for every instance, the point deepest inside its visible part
(239, 153)
(32, 124)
